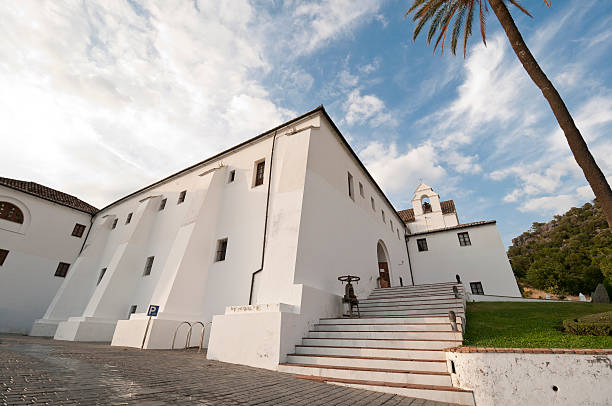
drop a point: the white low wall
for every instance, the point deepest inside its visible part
(523, 378)
(495, 298)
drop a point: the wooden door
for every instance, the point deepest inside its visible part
(383, 269)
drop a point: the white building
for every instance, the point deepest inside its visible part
(255, 239)
(441, 248)
(41, 233)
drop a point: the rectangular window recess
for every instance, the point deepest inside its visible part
(132, 310)
(148, 266)
(3, 255)
(221, 250)
(162, 204)
(477, 288)
(129, 218)
(62, 269)
(102, 272)
(181, 198)
(383, 216)
(232, 176)
(78, 230)
(260, 168)
(361, 190)
(464, 239)
(372, 202)
(114, 224)
(422, 244)
(351, 192)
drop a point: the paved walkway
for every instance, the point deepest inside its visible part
(43, 371)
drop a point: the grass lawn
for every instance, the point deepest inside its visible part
(529, 325)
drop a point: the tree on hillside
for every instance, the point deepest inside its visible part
(441, 13)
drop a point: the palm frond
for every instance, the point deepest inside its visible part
(467, 32)
(483, 21)
(457, 29)
(517, 5)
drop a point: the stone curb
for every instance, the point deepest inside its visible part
(580, 351)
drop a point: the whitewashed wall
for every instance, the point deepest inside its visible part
(27, 281)
(530, 379)
(484, 261)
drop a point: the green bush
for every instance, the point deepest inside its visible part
(599, 324)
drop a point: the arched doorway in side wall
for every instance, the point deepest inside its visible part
(383, 264)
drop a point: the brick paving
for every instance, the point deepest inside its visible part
(44, 371)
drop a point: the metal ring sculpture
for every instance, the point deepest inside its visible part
(177, 329)
(349, 278)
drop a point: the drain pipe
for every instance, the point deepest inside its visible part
(263, 245)
(406, 238)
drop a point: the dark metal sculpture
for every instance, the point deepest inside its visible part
(349, 298)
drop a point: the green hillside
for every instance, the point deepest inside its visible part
(570, 254)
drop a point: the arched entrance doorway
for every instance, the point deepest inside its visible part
(383, 264)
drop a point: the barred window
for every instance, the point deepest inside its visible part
(10, 212)
(464, 239)
(78, 230)
(148, 266)
(422, 244)
(259, 173)
(476, 288)
(221, 250)
(62, 269)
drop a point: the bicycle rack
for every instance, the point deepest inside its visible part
(201, 334)
(176, 331)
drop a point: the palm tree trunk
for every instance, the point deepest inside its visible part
(577, 145)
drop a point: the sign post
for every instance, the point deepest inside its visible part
(153, 310)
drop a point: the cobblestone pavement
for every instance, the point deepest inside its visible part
(43, 371)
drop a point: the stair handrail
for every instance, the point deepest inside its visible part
(187, 342)
(177, 329)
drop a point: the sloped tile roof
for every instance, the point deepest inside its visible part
(407, 215)
(47, 193)
(457, 227)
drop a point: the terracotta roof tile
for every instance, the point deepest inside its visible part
(448, 207)
(47, 193)
(407, 215)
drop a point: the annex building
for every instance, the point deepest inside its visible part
(254, 238)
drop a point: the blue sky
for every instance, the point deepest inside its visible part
(102, 98)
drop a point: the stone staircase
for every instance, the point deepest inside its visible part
(396, 346)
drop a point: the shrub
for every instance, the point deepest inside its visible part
(599, 324)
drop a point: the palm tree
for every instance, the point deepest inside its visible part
(442, 12)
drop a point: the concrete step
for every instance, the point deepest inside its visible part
(412, 303)
(411, 299)
(370, 374)
(450, 283)
(405, 289)
(417, 296)
(447, 394)
(412, 312)
(408, 353)
(369, 362)
(420, 306)
(384, 327)
(442, 318)
(382, 342)
(400, 335)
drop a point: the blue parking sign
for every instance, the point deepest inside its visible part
(153, 309)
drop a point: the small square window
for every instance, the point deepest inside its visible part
(102, 272)
(221, 250)
(372, 202)
(232, 176)
(114, 224)
(129, 218)
(148, 266)
(181, 198)
(78, 230)
(383, 216)
(3, 255)
(132, 310)
(162, 204)
(422, 244)
(477, 288)
(464, 239)
(62, 269)
(350, 186)
(361, 190)
(259, 173)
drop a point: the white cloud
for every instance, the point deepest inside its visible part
(367, 109)
(558, 204)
